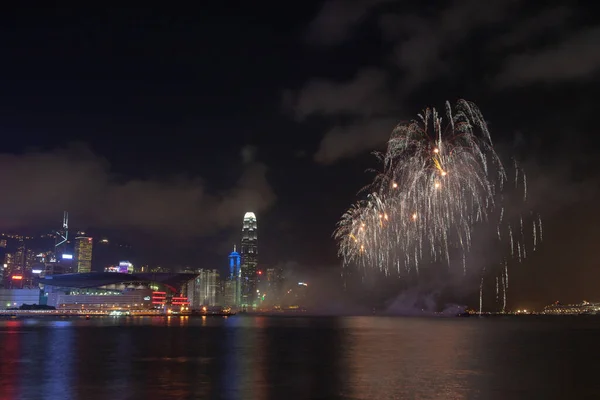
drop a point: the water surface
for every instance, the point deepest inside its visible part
(285, 358)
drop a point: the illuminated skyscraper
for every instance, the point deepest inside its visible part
(249, 259)
(272, 285)
(203, 290)
(62, 237)
(235, 274)
(83, 253)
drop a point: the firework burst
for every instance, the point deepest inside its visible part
(439, 179)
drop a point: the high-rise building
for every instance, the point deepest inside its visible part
(62, 236)
(203, 290)
(272, 285)
(16, 263)
(83, 253)
(228, 292)
(10, 265)
(18, 266)
(20, 261)
(235, 276)
(249, 259)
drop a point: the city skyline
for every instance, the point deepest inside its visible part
(146, 142)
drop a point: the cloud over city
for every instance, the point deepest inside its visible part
(39, 185)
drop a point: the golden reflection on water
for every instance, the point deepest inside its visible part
(397, 358)
(261, 384)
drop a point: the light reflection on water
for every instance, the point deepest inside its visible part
(427, 360)
(245, 357)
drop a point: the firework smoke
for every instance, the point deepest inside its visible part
(439, 179)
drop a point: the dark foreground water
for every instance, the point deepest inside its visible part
(284, 358)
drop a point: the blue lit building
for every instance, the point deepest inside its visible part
(233, 287)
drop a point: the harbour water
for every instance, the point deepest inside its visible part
(259, 357)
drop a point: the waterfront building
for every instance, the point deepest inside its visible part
(204, 289)
(114, 291)
(15, 298)
(18, 266)
(249, 258)
(228, 296)
(235, 276)
(272, 286)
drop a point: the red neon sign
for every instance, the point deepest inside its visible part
(17, 277)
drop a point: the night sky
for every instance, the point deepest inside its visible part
(161, 127)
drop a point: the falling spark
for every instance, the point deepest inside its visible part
(497, 290)
(503, 294)
(481, 296)
(534, 236)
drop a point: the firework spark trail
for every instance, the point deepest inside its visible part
(504, 284)
(512, 242)
(497, 290)
(534, 236)
(437, 181)
(506, 272)
(503, 293)
(481, 296)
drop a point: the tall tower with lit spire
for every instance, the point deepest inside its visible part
(62, 236)
(235, 275)
(249, 259)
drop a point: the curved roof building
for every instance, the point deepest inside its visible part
(170, 281)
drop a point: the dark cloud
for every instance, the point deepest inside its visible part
(337, 19)
(366, 103)
(424, 45)
(485, 45)
(364, 95)
(38, 186)
(347, 141)
(547, 20)
(574, 58)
